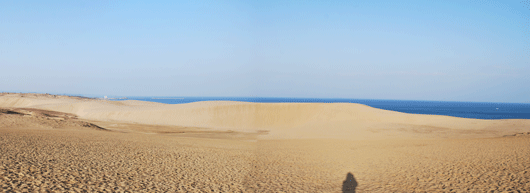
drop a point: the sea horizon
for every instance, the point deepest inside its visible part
(462, 109)
(301, 98)
(476, 110)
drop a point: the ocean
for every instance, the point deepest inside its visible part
(475, 110)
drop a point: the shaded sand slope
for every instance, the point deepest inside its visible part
(281, 120)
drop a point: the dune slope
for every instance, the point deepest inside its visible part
(53, 143)
(281, 120)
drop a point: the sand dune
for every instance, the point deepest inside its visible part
(57, 143)
(281, 120)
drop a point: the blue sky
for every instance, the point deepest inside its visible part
(474, 50)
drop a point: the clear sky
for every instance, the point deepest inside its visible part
(475, 50)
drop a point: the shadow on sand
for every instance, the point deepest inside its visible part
(349, 185)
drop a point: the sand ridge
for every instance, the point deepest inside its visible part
(37, 118)
(281, 120)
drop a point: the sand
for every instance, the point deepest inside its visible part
(50, 142)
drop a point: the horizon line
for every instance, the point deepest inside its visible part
(182, 97)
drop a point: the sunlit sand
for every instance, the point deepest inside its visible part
(64, 143)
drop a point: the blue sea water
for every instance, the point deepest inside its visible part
(474, 110)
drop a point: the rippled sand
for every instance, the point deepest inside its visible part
(51, 143)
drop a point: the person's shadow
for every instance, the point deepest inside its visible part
(349, 185)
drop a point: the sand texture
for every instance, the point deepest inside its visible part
(59, 143)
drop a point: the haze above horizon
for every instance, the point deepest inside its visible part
(473, 50)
